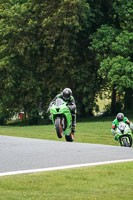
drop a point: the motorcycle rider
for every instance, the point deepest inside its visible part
(66, 95)
(119, 118)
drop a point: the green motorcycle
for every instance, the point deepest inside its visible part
(124, 134)
(62, 119)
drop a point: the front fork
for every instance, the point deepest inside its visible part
(129, 140)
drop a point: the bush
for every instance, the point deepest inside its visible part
(4, 116)
(34, 117)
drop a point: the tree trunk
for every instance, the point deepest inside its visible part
(128, 100)
(113, 102)
(25, 112)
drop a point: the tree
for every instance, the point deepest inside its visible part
(65, 59)
(18, 65)
(45, 47)
(112, 44)
(119, 73)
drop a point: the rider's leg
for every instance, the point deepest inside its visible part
(73, 122)
(73, 113)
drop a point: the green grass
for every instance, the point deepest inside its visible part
(89, 132)
(105, 182)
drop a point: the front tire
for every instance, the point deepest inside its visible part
(69, 138)
(125, 142)
(131, 141)
(58, 126)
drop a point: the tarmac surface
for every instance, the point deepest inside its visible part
(17, 153)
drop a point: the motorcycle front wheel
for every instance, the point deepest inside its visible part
(58, 126)
(125, 142)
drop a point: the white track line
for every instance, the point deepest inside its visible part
(62, 167)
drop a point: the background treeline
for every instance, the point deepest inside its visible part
(45, 46)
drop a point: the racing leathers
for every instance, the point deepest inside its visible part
(71, 105)
(116, 123)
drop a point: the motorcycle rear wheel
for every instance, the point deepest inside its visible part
(69, 138)
(58, 126)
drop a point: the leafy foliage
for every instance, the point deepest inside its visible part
(112, 44)
(119, 71)
(45, 47)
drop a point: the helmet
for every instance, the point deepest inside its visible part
(120, 117)
(67, 93)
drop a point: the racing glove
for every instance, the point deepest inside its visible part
(113, 131)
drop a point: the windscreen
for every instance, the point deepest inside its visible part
(122, 126)
(59, 101)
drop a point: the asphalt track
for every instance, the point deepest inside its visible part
(27, 155)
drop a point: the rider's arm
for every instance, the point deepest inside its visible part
(71, 104)
(72, 100)
(127, 121)
(113, 125)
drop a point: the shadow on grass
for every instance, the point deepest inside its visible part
(24, 122)
(49, 122)
(97, 119)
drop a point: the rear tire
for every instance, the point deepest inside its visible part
(58, 126)
(69, 138)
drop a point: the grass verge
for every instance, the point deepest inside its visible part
(88, 132)
(105, 182)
